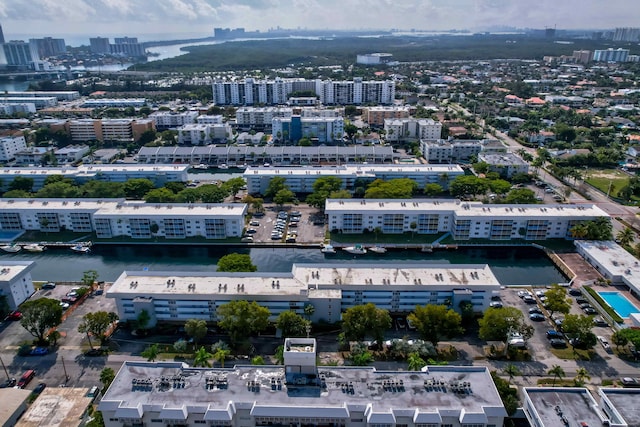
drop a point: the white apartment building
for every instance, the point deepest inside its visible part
(172, 119)
(198, 134)
(562, 406)
(260, 118)
(620, 406)
(10, 145)
(114, 103)
(301, 180)
(10, 109)
(317, 129)
(464, 220)
(277, 156)
(16, 284)
(159, 174)
(506, 164)
(454, 151)
(209, 120)
(276, 92)
(301, 394)
(321, 112)
(38, 102)
(71, 153)
(65, 95)
(376, 116)
(330, 288)
(116, 218)
(398, 130)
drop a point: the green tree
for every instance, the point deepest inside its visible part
(234, 185)
(202, 356)
(625, 236)
(400, 188)
(40, 315)
(507, 393)
(309, 310)
(279, 355)
(221, 355)
(579, 326)
(196, 329)
(276, 184)
(107, 375)
(242, 318)
(22, 183)
(180, 346)
(416, 362)
(211, 193)
(468, 185)
(292, 324)
(136, 188)
(432, 190)
(499, 186)
(557, 300)
(101, 189)
(350, 129)
(323, 187)
(283, 197)
(97, 324)
(160, 195)
(511, 370)
(360, 355)
(147, 137)
(435, 322)
(619, 339)
(631, 335)
(143, 319)
(497, 323)
(59, 190)
(89, 277)
(257, 360)
(236, 263)
(361, 320)
(582, 375)
(521, 196)
(16, 194)
(151, 353)
(557, 372)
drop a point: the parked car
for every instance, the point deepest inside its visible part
(26, 378)
(496, 304)
(39, 351)
(49, 285)
(585, 305)
(254, 223)
(599, 321)
(14, 315)
(247, 239)
(582, 301)
(535, 310)
(64, 305)
(575, 292)
(540, 293)
(251, 231)
(529, 299)
(39, 388)
(551, 334)
(8, 383)
(605, 344)
(590, 311)
(536, 317)
(522, 294)
(558, 343)
(630, 382)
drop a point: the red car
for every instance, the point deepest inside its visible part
(14, 315)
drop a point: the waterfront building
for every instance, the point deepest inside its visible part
(172, 119)
(11, 109)
(627, 34)
(276, 156)
(301, 394)
(276, 92)
(48, 46)
(464, 220)
(397, 130)
(159, 174)
(200, 134)
(301, 180)
(330, 288)
(114, 102)
(19, 54)
(506, 164)
(611, 55)
(376, 116)
(260, 118)
(60, 95)
(99, 44)
(1, 35)
(38, 103)
(562, 406)
(16, 284)
(450, 151)
(117, 218)
(10, 145)
(319, 130)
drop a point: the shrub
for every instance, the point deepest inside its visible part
(610, 311)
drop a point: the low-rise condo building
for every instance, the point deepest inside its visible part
(16, 284)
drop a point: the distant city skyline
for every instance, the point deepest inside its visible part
(167, 19)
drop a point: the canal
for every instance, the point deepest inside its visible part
(511, 265)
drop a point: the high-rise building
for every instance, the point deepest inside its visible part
(582, 56)
(626, 35)
(611, 55)
(17, 53)
(128, 46)
(48, 46)
(125, 40)
(99, 44)
(1, 35)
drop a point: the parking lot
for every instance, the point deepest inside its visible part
(292, 225)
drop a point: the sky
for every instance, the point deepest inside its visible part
(162, 19)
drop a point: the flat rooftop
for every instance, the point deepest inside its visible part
(57, 406)
(625, 402)
(575, 404)
(355, 170)
(302, 278)
(613, 258)
(9, 270)
(172, 209)
(143, 383)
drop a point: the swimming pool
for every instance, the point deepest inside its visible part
(619, 303)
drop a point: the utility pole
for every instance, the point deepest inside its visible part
(5, 368)
(64, 368)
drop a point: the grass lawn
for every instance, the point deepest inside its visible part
(573, 354)
(603, 178)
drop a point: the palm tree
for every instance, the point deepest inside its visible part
(220, 355)
(625, 236)
(581, 376)
(512, 371)
(151, 353)
(202, 356)
(557, 372)
(415, 361)
(309, 310)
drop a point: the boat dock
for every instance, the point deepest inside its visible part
(60, 245)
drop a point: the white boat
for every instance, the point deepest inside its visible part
(223, 166)
(356, 250)
(378, 249)
(80, 248)
(34, 247)
(328, 249)
(201, 166)
(11, 248)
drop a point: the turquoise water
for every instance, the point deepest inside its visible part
(619, 303)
